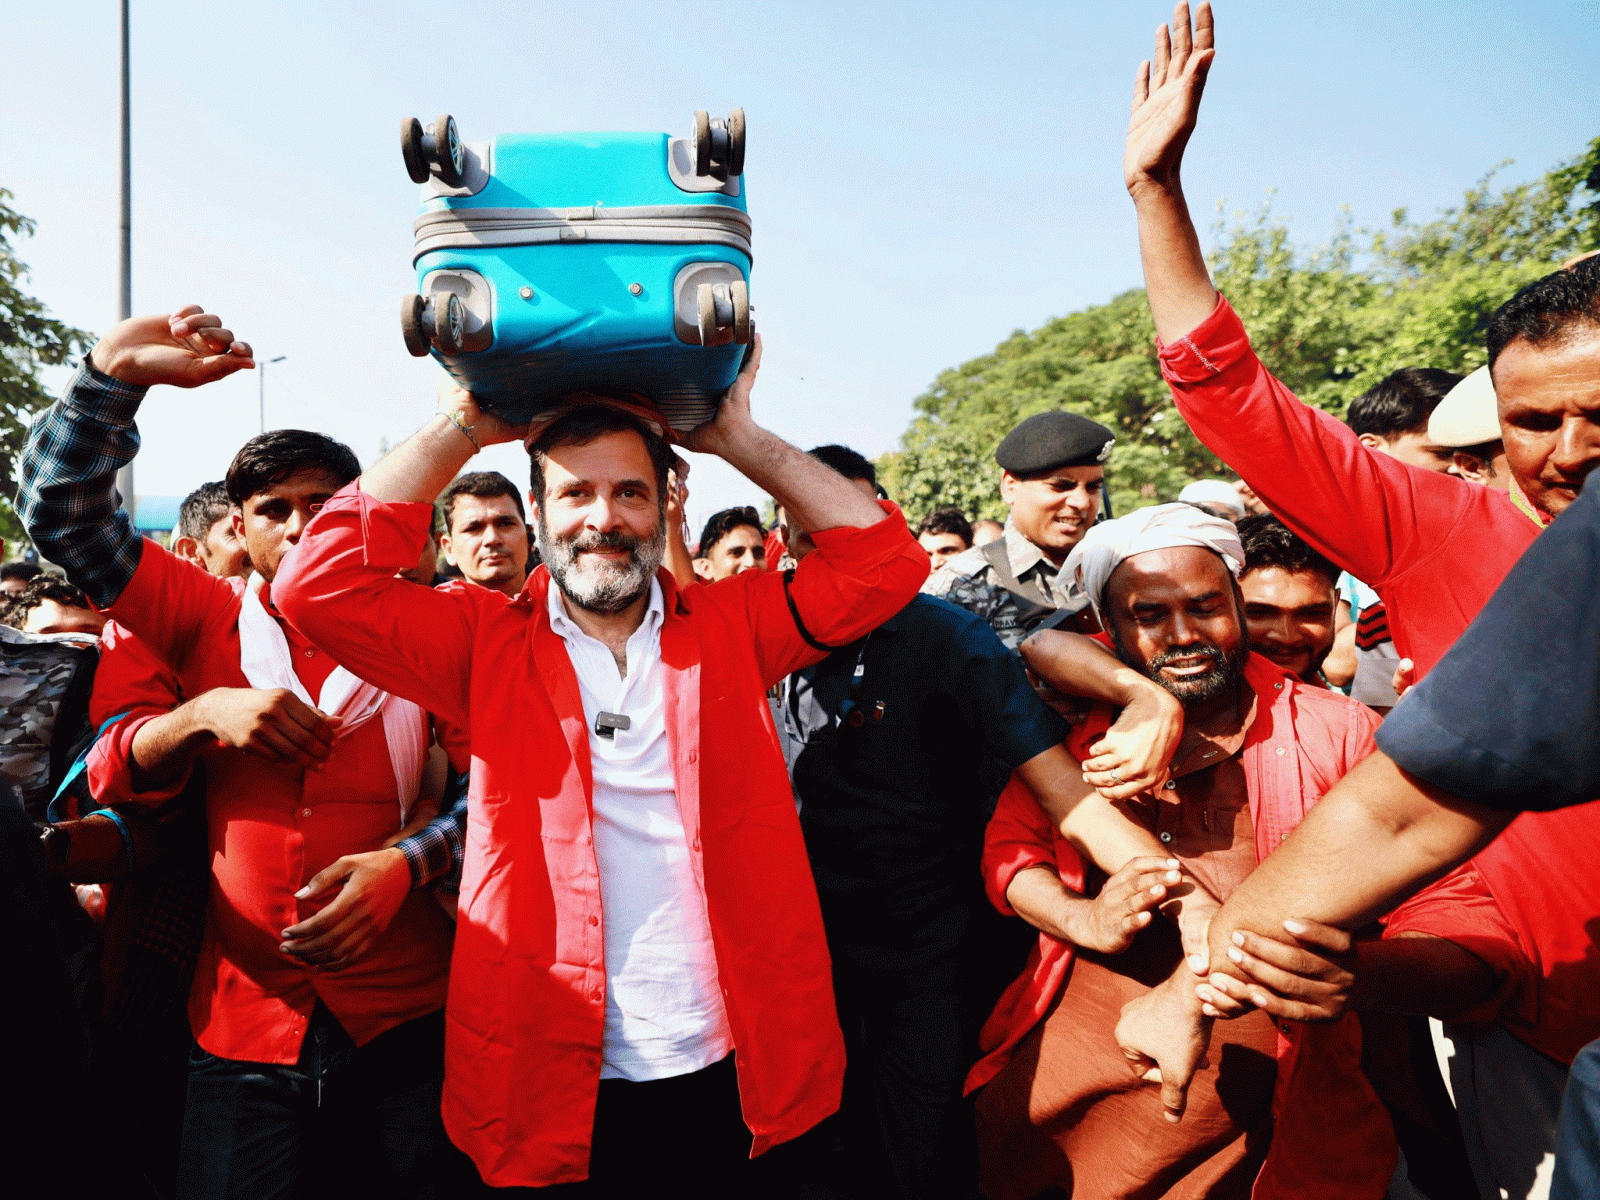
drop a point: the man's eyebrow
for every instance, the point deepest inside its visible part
(1202, 599)
(634, 483)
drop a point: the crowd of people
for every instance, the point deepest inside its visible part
(385, 834)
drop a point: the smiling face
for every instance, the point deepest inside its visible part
(1173, 616)
(601, 525)
(743, 548)
(488, 542)
(1549, 400)
(273, 519)
(1053, 510)
(1289, 616)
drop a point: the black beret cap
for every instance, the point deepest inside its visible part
(1049, 440)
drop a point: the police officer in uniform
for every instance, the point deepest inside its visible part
(1052, 478)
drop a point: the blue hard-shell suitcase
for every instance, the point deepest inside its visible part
(561, 262)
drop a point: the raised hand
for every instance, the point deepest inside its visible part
(482, 428)
(1166, 99)
(734, 414)
(182, 349)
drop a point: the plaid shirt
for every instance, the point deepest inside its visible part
(67, 499)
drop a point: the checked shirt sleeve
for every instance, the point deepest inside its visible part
(66, 492)
(434, 852)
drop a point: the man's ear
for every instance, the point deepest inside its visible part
(187, 549)
(444, 550)
(1372, 442)
(702, 569)
(236, 516)
(1008, 486)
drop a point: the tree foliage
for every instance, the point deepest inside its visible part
(30, 340)
(1329, 321)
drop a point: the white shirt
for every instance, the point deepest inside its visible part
(664, 1010)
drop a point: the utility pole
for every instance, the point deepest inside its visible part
(130, 500)
(261, 378)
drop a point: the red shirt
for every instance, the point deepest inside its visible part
(1523, 906)
(526, 1016)
(271, 828)
(1332, 1140)
(1433, 546)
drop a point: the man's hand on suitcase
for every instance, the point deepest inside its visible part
(733, 418)
(486, 428)
(182, 349)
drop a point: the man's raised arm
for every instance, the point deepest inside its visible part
(1354, 506)
(66, 493)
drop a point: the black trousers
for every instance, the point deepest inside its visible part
(339, 1122)
(684, 1135)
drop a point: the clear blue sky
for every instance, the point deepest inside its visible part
(924, 177)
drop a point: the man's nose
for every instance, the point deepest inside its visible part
(1577, 449)
(295, 525)
(602, 515)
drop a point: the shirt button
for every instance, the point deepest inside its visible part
(305, 812)
(1280, 750)
(594, 920)
(310, 653)
(598, 994)
(1170, 784)
(1166, 835)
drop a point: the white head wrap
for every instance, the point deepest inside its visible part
(1107, 544)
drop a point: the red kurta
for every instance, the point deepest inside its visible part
(1434, 547)
(527, 996)
(1332, 1140)
(271, 828)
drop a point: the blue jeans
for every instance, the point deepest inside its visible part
(1577, 1174)
(339, 1121)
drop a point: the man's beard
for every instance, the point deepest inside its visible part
(602, 586)
(1226, 676)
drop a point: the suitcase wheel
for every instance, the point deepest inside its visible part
(435, 150)
(411, 150)
(425, 319)
(724, 312)
(412, 326)
(449, 324)
(719, 144)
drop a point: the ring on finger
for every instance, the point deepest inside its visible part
(1116, 777)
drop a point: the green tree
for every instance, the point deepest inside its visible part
(30, 340)
(1329, 321)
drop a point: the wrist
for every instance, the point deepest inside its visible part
(1156, 189)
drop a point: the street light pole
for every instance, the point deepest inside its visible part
(261, 378)
(125, 249)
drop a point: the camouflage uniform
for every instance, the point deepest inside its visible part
(970, 580)
(44, 708)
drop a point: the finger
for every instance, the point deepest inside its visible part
(1140, 1064)
(325, 879)
(1181, 40)
(288, 745)
(1285, 957)
(215, 367)
(1315, 933)
(266, 742)
(1205, 32)
(241, 350)
(177, 323)
(1281, 984)
(1147, 864)
(1174, 1095)
(1216, 1003)
(311, 722)
(1141, 85)
(750, 368)
(1160, 59)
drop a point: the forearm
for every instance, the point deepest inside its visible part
(433, 853)
(1420, 976)
(164, 747)
(813, 495)
(1037, 895)
(1378, 836)
(1080, 666)
(422, 466)
(1176, 280)
(66, 492)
